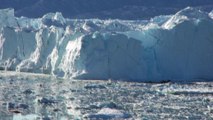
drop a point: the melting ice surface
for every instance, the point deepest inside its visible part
(175, 47)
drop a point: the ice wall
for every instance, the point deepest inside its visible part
(176, 47)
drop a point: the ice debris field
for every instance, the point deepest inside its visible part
(175, 47)
(41, 97)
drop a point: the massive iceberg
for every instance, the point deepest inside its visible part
(175, 47)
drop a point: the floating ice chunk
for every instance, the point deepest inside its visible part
(108, 113)
(25, 117)
(211, 14)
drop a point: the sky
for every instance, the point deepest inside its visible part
(103, 9)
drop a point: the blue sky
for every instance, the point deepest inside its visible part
(103, 9)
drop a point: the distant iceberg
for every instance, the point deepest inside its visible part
(177, 47)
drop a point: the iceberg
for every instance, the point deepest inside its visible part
(176, 47)
(211, 14)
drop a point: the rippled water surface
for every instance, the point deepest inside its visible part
(41, 97)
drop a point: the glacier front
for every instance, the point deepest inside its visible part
(175, 47)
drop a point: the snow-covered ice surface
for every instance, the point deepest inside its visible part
(27, 96)
(173, 47)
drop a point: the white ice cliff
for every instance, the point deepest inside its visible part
(176, 47)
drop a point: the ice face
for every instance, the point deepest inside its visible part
(7, 18)
(165, 48)
(160, 19)
(187, 14)
(55, 19)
